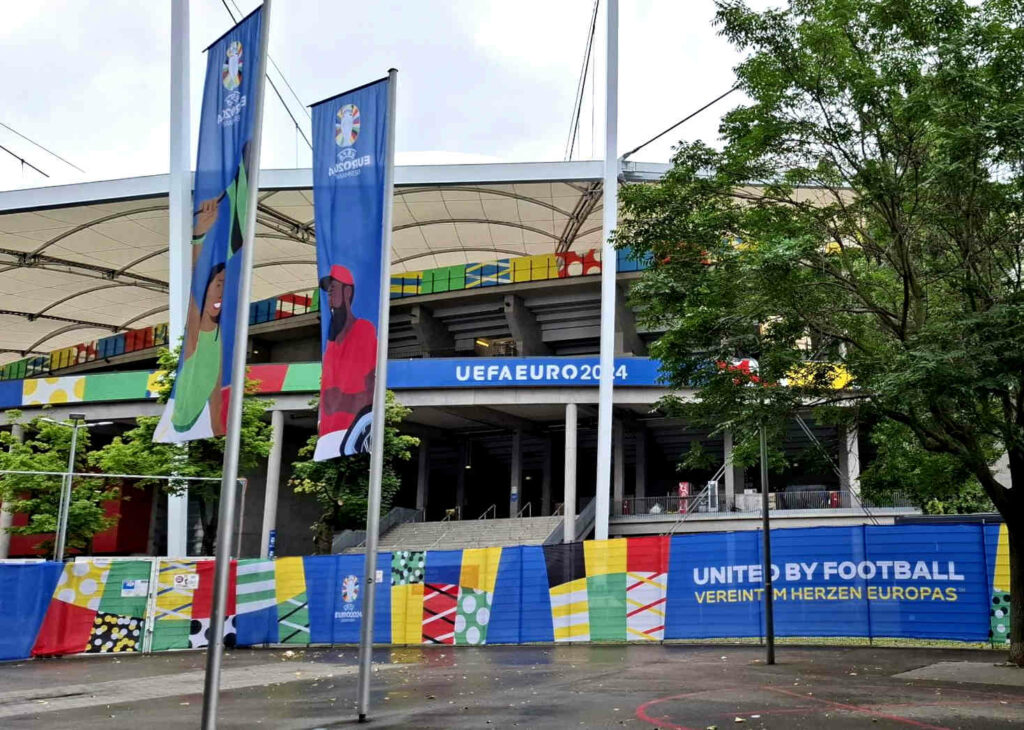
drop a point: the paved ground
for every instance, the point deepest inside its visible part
(677, 687)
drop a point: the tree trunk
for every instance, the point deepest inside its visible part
(1015, 532)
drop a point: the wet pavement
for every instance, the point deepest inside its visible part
(672, 687)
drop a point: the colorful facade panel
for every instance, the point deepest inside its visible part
(906, 581)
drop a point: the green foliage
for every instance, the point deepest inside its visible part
(887, 144)
(135, 453)
(341, 486)
(46, 447)
(937, 483)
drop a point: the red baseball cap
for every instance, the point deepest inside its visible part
(339, 273)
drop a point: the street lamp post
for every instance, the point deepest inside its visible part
(65, 492)
(64, 510)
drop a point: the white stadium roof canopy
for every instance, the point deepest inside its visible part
(81, 261)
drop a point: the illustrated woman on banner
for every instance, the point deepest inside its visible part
(203, 366)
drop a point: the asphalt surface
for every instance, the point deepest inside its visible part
(671, 687)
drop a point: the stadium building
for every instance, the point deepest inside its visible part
(494, 338)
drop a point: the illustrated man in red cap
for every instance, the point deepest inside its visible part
(349, 360)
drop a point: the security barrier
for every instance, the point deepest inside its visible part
(907, 581)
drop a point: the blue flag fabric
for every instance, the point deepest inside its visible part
(198, 405)
(349, 159)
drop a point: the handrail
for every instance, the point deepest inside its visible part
(492, 511)
(690, 508)
(559, 509)
(453, 514)
(528, 508)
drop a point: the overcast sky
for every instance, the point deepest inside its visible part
(480, 80)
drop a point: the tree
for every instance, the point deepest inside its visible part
(135, 453)
(46, 447)
(341, 486)
(865, 210)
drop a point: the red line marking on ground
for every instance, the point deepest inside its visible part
(806, 710)
(856, 708)
(641, 711)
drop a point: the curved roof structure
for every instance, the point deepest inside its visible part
(82, 261)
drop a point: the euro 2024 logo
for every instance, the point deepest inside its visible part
(350, 589)
(231, 78)
(346, 132)
(231, 73)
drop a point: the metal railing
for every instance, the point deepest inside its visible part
(659, 507)
(527, 509)
(453, 514)
(395, 517)
(489, 513)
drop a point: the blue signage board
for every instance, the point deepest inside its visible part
(518, 372)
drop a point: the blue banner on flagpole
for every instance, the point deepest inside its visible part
(198, 405)
(349, 146)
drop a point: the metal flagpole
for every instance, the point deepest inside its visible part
(229, 480)
(608, 223)
(379, 401)
(179, 234)
(65, 496)
(769, 608)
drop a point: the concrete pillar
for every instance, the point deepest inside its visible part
(641, 464)
(423, 474)
(517, 473)
(273, 483)
(733, 474)
(545, 480)
(849, 459)
(618, 467)
(460, 480)
(6, 516)
(570, 473)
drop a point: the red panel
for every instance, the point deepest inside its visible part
(202, 599)
(65, 630)
(647, 554)
(130, 534)
(270, 377)
(439, 603)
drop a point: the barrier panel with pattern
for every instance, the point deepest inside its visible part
(946, 582)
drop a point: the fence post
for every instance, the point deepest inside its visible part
(149, 619)
(867, 600)
(989, 583)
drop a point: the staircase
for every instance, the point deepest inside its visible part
(458, 535)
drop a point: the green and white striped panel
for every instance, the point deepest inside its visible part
(255, 589)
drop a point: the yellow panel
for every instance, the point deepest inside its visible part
(407, 613)
(480, 568)
(1001, 576)
(573, 586)
(545, 266)
(289, 578)
(605, 556)
(174, 598)
(81, 583)
(573, 631)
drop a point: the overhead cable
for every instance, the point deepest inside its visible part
(273, 85)
(574, 126)
(23, 161)
(278, 69)
(687, 118)
(44, 149)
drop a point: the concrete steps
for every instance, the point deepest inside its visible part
(466, 534)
